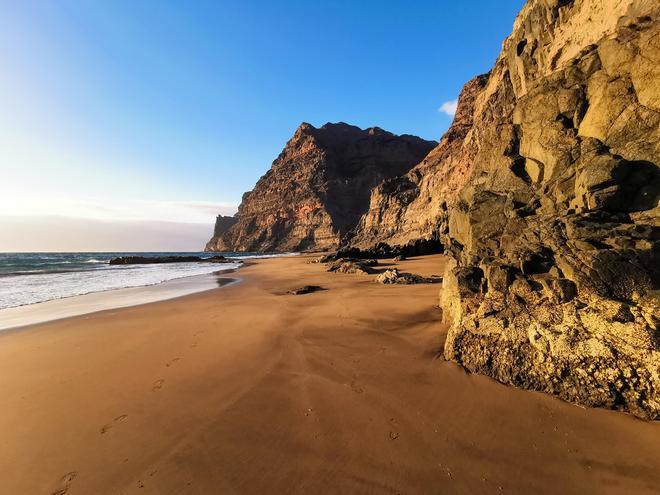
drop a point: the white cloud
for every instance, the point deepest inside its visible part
(449, 107)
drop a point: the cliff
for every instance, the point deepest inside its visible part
(222, 225)
(412, 207)
(551, 39)
(318, 188)
(545, 194)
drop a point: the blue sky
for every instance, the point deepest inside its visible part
(167, 103)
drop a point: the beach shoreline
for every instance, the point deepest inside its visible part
(248, 389)
(20, 317)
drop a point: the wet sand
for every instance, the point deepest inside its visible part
(246, 389)
(67, 307)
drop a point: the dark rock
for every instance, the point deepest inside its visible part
(150, 260)
(351, 265)
(383, 250)
(305, 289)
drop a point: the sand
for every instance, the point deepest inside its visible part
(245, 389)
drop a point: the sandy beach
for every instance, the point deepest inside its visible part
(247, 389)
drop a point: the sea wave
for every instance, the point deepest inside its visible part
(39, 287)
(28, 278)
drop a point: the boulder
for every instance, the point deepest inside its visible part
(351, 265)
(305, 289)
(554, 234)
(394, 276)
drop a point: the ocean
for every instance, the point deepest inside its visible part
(29, 278)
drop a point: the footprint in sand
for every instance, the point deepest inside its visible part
(356, 388)
(167, 365)
(65, 482)
(194, 344)
(158, 384)
(118, 419)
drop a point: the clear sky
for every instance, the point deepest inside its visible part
(134, 111)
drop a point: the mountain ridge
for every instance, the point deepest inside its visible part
(318, 188)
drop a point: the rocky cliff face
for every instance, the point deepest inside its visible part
(318, 188)
(545, 193)
(222, 225)
(412, 207)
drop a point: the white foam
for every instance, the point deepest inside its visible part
(102, 301)
(40, 287)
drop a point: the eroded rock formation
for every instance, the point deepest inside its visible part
(409, 209)
(352, 265)
(222, 225)
(394, 276)
(318, 188)
(551, 210)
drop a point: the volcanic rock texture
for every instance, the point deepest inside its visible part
(318, 188)
(547, 201)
